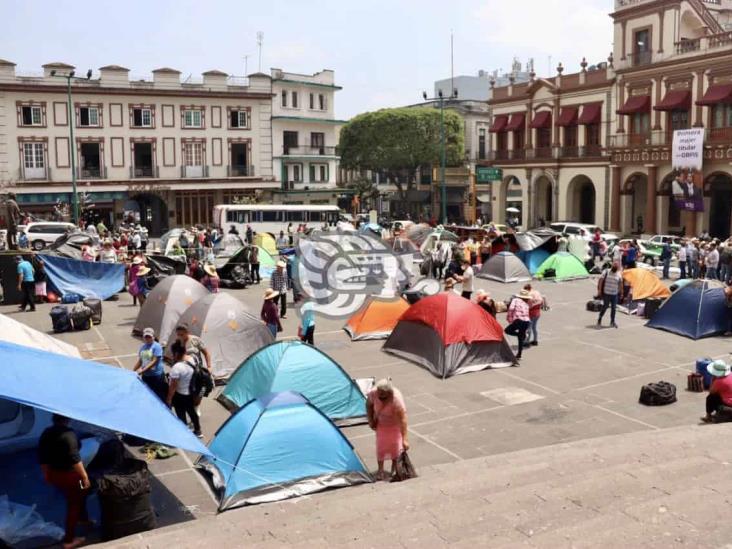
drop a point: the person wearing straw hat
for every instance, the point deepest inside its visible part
(720, 392)
(142, 286)
(269, 314)
(518, 319)
(280, 284)
(211, 280)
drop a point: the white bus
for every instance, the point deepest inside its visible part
(273, 218)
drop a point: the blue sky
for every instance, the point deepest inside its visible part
(384, 52)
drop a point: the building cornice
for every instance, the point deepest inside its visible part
(306, 83)
(521, 99)
(25, 87)
(649, 8)
(306, 119)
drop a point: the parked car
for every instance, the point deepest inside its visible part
(585, 230)
(657, 241)
(43, 233)
(645, 253)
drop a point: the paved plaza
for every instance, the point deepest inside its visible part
(579, 384)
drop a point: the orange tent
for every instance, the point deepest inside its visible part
(376, 319)
(645, 284)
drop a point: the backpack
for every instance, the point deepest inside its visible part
(658, 394)
(201, 381)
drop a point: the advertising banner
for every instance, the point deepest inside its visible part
(687, 157)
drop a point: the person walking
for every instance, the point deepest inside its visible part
(387, 416)
(467, 279)
(682, 259)
(537, 304)
(280, 284)
(179, 395)
(518, 319)
(666, 256)
(725, 256)
(307, 323)
(26, 283)
(249, 234)
(269, 314)
(692, 259)
(610, 287)
(254, 265)
(149, 365)
(58, 454)
(711, 261)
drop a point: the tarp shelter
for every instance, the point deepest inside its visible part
(565, 265)
(166, 303)
(299, 367)
(504, 267)
(227, 328)
(20, 334)
(579, 248)
(449, 335)
(163, 266)
(645, 284)
(228, 245)
(535, 238)
(533, 259)
(418, 233)
(370, 228)
(86, 278)
(375, 319)
(69, 245)
(697, 310)
(171, 238)
(101, 395)
(276, 447)
(266, 241)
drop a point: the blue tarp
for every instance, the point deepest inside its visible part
(98, 394)
(86, 278)
(276, 447)
(697, 310)
(296, 366)
(533, 259)
(375, 228)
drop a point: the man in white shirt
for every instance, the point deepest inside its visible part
(682, 259)
(712, 261)
(467, 279)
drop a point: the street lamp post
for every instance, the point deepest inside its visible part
(71, 119)
(443, 149)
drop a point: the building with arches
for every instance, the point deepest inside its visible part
(595, 146)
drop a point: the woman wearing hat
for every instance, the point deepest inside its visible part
(387, 415)
(211, 280)
(720, 393)
(135, 266)
(518, 319)
(269, 314)
(108, 253)
(142, 286)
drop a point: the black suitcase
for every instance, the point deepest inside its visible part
(96, 308)
(594, 305)
(652, 306)
(60, 319)
(80, 317)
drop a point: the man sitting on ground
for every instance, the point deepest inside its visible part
(720, 393)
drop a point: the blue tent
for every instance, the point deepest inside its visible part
(697, 310)
(276, 447)
(374, 228)
(296, 366)
(533, 258)
(86, 278)
(98, 394)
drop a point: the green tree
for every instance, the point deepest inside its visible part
(365, 189)
(400, 141)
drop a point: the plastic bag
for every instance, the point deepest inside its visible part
(20, 522)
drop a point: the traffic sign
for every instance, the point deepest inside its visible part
(485, 174)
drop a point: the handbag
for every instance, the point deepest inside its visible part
(404, 468)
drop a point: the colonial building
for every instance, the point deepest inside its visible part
(305, 135)
(595, 146)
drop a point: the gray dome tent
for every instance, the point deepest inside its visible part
(166, 303)
(229, 330)
(505, 267)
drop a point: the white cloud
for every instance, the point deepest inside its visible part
(565, 29)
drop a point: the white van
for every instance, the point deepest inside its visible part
(42, 233)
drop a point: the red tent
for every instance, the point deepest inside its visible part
(449, 335)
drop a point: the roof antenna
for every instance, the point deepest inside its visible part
(246, 65)
(260, 39)
(452, 63)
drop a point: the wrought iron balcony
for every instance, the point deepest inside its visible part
(239, 171)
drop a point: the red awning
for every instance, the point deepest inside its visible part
(675, 100)
(591, 114)
(499, 123)
(568, 116)
(636, 103)
(517, 122)
(542, 119)
(717, 93)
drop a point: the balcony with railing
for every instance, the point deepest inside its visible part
(98, 172)
(34, 174)
(141, 172)
(193, 172)
(239, 171)
(718, 136)
(309, 151)
(641, 140)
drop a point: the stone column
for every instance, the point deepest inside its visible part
(649, 221)
(615, 199)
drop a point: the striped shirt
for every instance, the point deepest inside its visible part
(612, 282)
(278, 281)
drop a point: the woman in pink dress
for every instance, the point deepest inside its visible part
(387, 416)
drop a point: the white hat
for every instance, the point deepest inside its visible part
(385, 385)
(136, 260)
(718, 368)
(148, 332)
(281, 264)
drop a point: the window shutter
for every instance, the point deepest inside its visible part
(312, 173)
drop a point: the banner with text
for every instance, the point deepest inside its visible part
(688, 157)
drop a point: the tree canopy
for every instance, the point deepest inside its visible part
(400, 139)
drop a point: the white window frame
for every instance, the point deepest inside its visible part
(145, 113)
(34, 155)
(193, 154)
(192, 118)
(242, 119)
(90, 110)
(34, 110)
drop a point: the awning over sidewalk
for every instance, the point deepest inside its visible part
(568, 116)
(675, 100)
(635, 103)
(717, 93)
